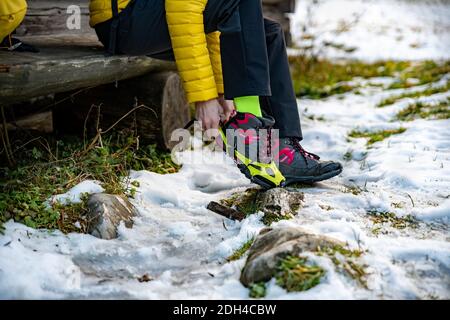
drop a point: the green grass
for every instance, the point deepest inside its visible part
(320, 78)
(47, 167)
(416, 94)
(390, 218)
(270, 218)
(416, 110)
(376, 136)
(346, 261)
(297, 274)
(257, 290)
(243, 202)
(241, 251)
(425, 72)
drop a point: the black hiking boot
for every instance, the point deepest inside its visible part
(299, 166)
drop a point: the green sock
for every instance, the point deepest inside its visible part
(249, 104)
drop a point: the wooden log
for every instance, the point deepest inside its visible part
(66, 63)
(225, 211)
(286, 6)
(163, 108)
(276, 10)
(41, 122)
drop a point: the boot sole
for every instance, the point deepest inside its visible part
(313, 179)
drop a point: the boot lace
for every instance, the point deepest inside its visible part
(296, 144)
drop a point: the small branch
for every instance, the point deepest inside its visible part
(225, 211)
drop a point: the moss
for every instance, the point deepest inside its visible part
(390, 218)
(416, 110)
(48, 166)
(257, 290)
(376, 136)
(424, 93)
(270, 218)
(348, 156)
(321, 78)
(425, 71)
(346, 261)
(355, 190)
(241, 251)
(297, 274)
(243, 202)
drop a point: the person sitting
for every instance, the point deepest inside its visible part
(229, 57)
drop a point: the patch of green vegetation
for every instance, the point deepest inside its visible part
(257, 290)
(244, 202)
(390, 218)
(375, 136)
(297, 274)
(355, 190)
(425, 71)
(47, 167)
(348, 156)
(241, 251)
(416, 110)
(320, 78)
(270, 218)
(415, 94)
(345, 260)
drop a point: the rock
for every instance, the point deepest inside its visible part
(106, 212)
(276, 204)
(271, 245)
(279, 203)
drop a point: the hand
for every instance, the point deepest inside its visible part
(208, 112)
(228, 108)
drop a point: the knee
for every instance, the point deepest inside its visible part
(273, 27)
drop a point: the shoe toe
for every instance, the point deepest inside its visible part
(329, 166)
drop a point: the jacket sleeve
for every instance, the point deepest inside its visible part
(213, 40)
(185, 21)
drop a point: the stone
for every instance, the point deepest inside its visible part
(279, 203)
(276, 204)
(271, 245)
(106, 212)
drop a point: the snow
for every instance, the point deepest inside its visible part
(74, 194)
(183, 246)
(375, 29)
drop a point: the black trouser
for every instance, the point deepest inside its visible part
(254, 58)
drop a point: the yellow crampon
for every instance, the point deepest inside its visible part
(265, 174)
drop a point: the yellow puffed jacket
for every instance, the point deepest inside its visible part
(197, 55)
(12, 13)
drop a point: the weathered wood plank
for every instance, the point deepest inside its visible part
(66, 64)
(46, 17)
